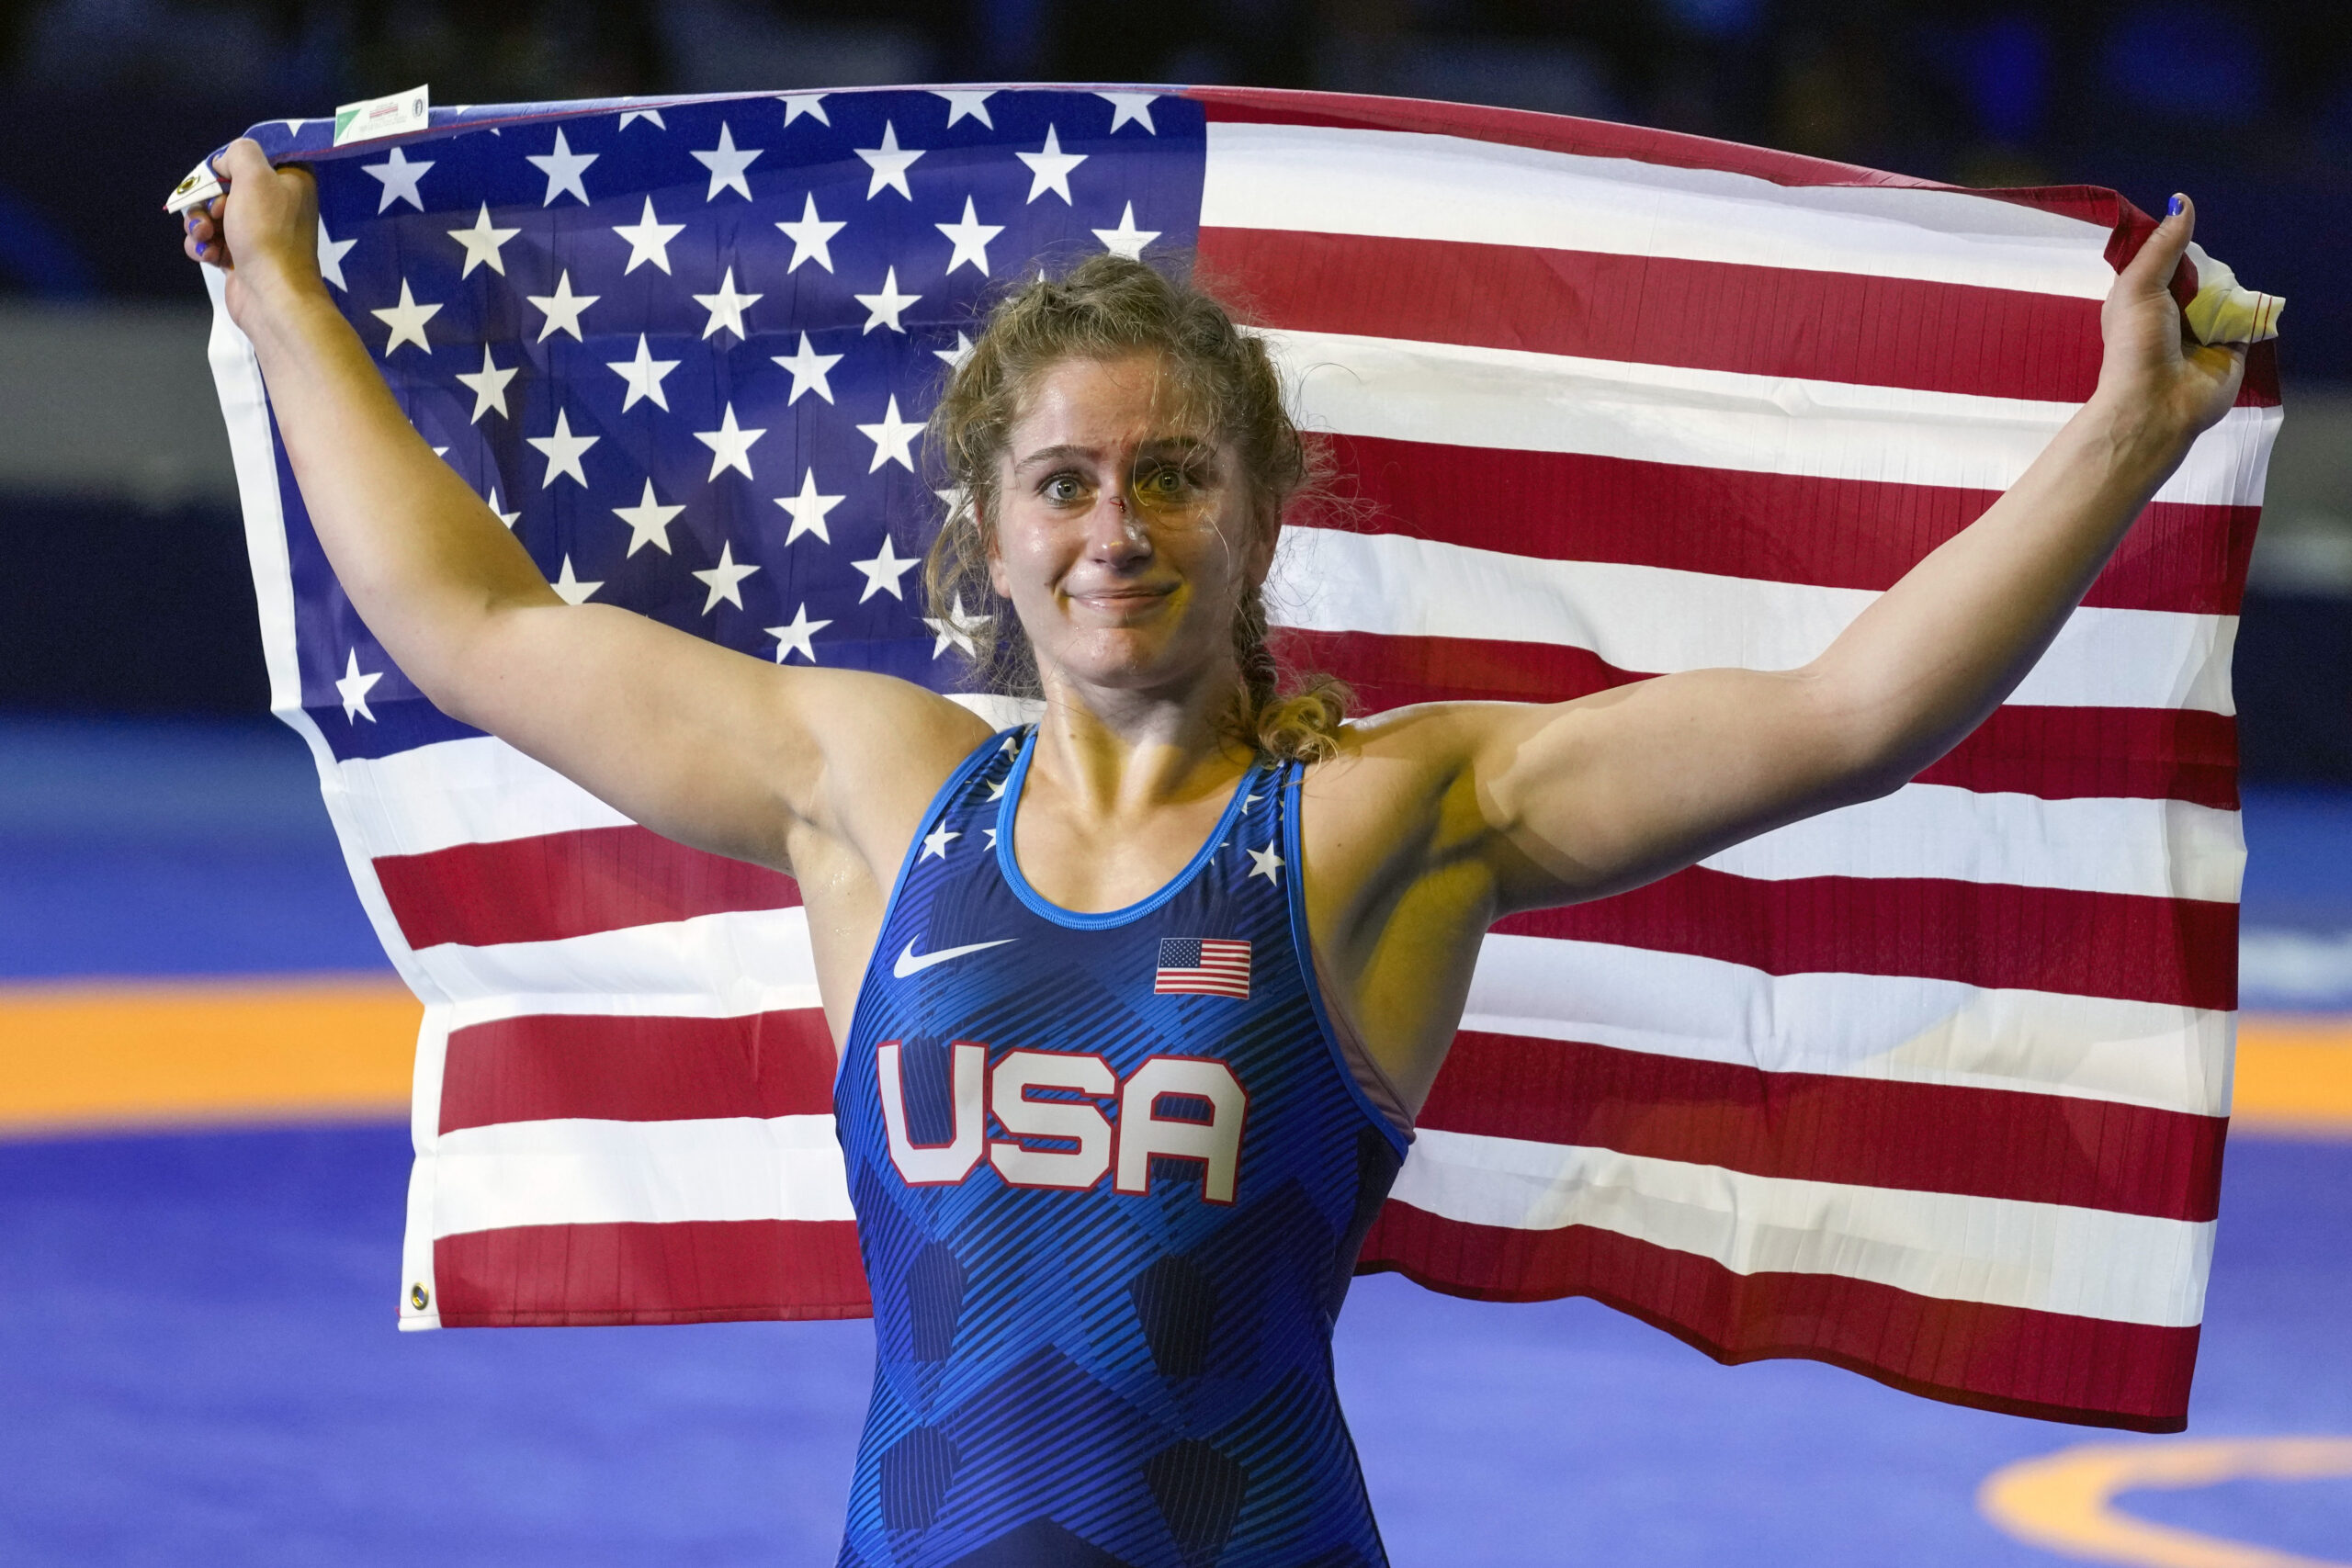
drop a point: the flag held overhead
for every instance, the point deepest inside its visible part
(1933, 1088)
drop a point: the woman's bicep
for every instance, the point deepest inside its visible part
(702, 744)
(1621, 787)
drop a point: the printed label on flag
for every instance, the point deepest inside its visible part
(1203, 966)
(201, 186)
(386, 116)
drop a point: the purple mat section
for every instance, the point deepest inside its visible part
(198, 1357)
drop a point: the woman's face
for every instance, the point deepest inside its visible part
(1124, 533)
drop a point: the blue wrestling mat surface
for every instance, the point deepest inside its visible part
(198, 1363)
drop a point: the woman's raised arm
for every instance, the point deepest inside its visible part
(701, 743)
(1613, 790)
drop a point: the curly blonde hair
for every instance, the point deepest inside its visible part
(1106, 307)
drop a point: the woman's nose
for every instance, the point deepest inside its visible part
(1114, 531)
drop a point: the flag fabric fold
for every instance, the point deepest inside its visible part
(1933, 1088)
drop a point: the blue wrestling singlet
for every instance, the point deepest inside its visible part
(1111, 1174)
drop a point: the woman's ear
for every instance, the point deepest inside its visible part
(998, 579)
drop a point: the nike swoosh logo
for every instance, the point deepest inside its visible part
(910, 963)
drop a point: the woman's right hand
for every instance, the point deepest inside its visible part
(262, 230)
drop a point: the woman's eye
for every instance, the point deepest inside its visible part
(1060, 488)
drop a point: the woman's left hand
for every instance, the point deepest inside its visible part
(2170, 387)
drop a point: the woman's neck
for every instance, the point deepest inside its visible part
(1124, 753)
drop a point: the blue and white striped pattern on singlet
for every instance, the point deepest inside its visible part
(1108, 1225)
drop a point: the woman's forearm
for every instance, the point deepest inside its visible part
(422, 556)
(1935, 654)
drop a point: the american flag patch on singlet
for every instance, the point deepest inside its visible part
(1203, 966)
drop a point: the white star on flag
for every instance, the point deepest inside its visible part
(726, 306)
(808, 509)
(970, 237)
(890, 162)
(508, 518)
(1126, 240)
(955, 628)
(354, 688)
(882, 572)
(644, 374)
(649, 239)
(727, 163)
(630, 117)
(1135, 106)
(808, 368)
(811, 236)
(996, 786)
(563, 451)
(331, 254)
(730, 445)
(562, 307)
(487, 386)
(399, 175)
(725, 579)
(569, 589)
(973, 104)
(799, 637)
(1266, 862)
(957, 356)
(885, 306)
(893, 439)
(797, 104)
(648, 521)
(1049, 167)
(563, 168)
(482, 242)
(990, 831)
(935, 843)
(407, 320)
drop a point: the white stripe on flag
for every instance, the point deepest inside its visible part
(746, 962)
(1657, 620)
(2000, 1251)
(1515, 400)
(462, 792)
(1897, 1027)
(583, 1172)
(1407, 184)
(2157, 849)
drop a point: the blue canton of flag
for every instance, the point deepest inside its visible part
(686, 350)
(1198, 966)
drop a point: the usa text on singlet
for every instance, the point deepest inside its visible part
(1111, 1174)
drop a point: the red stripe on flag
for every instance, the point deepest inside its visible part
(684, 1272)
(2038, 1148)
(2127, 226)
(614, 1068)
(2049, 1365)
(1996, 935)
(1828, 532)
(1760, 320)
(564, 884)
(2058, 753)
(1585, 138)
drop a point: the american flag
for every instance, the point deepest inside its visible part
(1933, 1088)
(1199, 966)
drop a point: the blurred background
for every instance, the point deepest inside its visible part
(195, 1351)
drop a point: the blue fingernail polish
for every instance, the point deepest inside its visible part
(2174, 210)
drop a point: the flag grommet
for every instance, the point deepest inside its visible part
(418, 1296)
